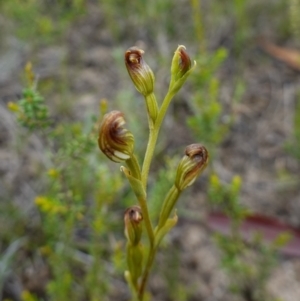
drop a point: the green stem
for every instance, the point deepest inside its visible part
(154, 131)
(148, 155)
(144, 280)
(141, 196)
(147, 220)
(168, 206)
(134, 167)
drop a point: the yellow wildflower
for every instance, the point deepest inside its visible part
(12, 106)
(53, 173)
(214, 181)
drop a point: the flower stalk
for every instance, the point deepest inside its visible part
(117, 143)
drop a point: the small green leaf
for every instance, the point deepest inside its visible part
(135, 184)
(170, 223)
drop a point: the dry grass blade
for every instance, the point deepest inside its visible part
(290, 57)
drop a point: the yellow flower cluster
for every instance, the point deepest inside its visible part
(237, 181)
(12, 106)
(215, 181)
(53, 173)
(49, 205)
(236, 184)
(27, 296)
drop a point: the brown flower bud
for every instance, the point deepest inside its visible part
(133, 227)
(181, 68)
(191, 165)
(140, 73)
(181, 63)
(115, 141)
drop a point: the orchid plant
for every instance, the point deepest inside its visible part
(117, 143)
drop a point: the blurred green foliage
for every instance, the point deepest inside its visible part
(206, 121)
(293, 145)
(42, 21)
(294, 8)
(164, 179)
(248, 264)
(31, 111)
(74, 198)
(227, 197)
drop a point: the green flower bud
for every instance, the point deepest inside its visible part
(133, 226)
(181, 63)
(135, 262)
(140, 73)
(181, 68)
(191, 165)
(116, 142)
